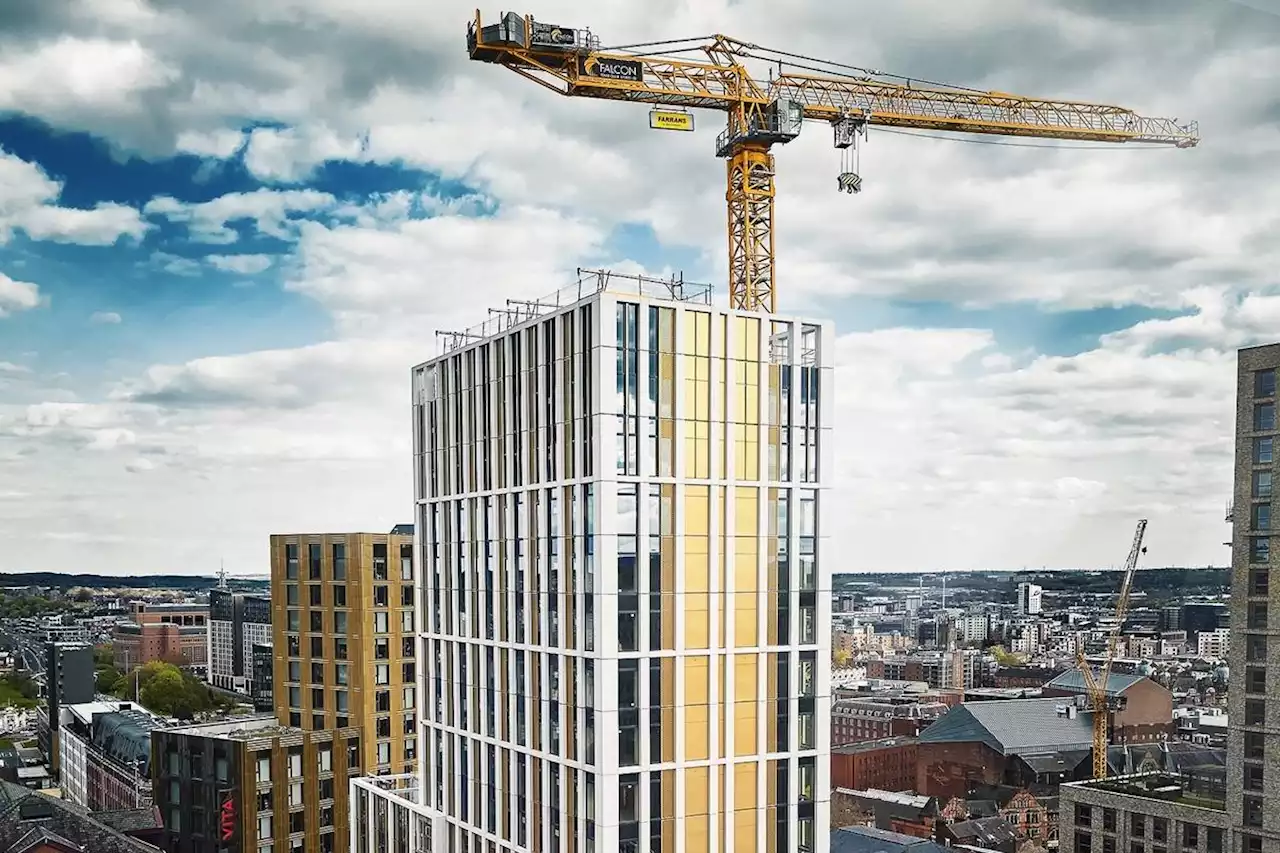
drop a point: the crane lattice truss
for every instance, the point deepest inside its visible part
(764, 113)
(1096, 683)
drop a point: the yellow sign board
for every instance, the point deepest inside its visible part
(670, 120)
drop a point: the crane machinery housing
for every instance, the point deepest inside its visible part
(1102, 703)
(766, 112)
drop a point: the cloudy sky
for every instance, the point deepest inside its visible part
(227, 230)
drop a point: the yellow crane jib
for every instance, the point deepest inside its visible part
(763, 111)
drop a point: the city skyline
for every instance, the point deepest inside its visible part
(216, 269)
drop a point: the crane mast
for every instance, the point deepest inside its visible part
(763, 113)
(1096, 684)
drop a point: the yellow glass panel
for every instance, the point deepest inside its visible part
(745, 633)
(697, 619)
(697, 672)
(751, 331)
(697, 788)
(697, 510)
(668, 674)
(744, 712)
(746, 508)
(771, 708)
(744, 786)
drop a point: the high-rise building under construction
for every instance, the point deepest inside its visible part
(624, 601)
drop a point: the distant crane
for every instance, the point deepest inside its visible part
(1096, 684)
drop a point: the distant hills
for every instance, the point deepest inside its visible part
(63, 581)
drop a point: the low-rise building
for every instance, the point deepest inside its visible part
(888, 764)
(176, 633)
(869, 719)
(105, 754)
(1143, 813)
(1146, 712)
(252, 785)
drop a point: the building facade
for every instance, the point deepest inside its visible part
(626, 613)
(888, 764)
(251, 785)
(175, 633)
(1030, 599)
(105, 755)
(1150, 813)
(344, 644)
(236, 622)
(69, 680)
(1253, 745)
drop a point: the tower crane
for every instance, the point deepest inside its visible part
(1095, 684)
(766, 112)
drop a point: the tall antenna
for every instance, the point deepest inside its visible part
(222, 574)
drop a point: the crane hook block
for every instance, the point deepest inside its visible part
(850, 182)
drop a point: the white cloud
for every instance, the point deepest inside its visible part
(242, 264)
(17, 295)
(270, 211)
(105, 318)
(62, 77)
(219, 144)
(29, 204)
(289, 155)
(11, 368)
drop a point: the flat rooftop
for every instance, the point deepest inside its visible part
(243, 728)
(1165, 787)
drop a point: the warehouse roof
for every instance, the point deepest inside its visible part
(1014, 726)
(1117, 682)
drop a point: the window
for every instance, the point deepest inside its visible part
(295, 764)
(408, 671)
(380, 561)
(339, 649)
(628, 790)
(380, 623)
(382, 674)
(339, 623)
(264, 826)
(1258, 614)
(1159, 830)
(1108, 844)
(384, 753)
(1264, 450)
(341, 702)
(1252, 844)
(290, 566)
(264, 767)
(317, 620)
(1253, 777)
(291, 595)
(340, 674)
(1255, 647)
(1259, 549)
(1190, 835)
(1255, 679)
(381, 649)
(406, 623)
(317, 673)
(382, 701)
(1259, 580)
(313, 561)
(406, 562)
(383, 726)
(1253, 811)
(264, 800)
(1255, 712)
(293, 620)
(406, 595)
(805, 730)
(380, 596)
(324, 756)
(1109, 820)
(295, 697)
(317, 698)
(1262, 484)
(1264, 416)
(408, 700)
(1264, 383)
(295, 670)
(340, 596)
(353, 754)
(1215, 840)
(297, 823)
(1254, 746)
(1137, 825)
(317, 647)
(1261, 517)
(407, 649)
(326, 789)
(295, 794)
(313, 592)
(1084, 842)
(339, 562)
(1084, 815)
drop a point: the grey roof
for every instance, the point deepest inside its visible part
(864, 839)
(1061, 761)
(131, 820)
(1013, 726)
(1117, 682)
(983, 832)
(22, 810)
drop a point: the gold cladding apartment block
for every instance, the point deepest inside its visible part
(344, 638)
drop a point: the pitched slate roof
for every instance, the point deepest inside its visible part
(23, 810)
(864, 839)
(1013, 726)
(983, 832)
(1117, 682)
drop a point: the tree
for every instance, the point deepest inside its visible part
(166, 693)
(107, 679)
(840, 658)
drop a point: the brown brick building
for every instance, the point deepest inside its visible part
(861, 720)
(1016, 742)
(1147, 715)
(176, 633)
(889, 765)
